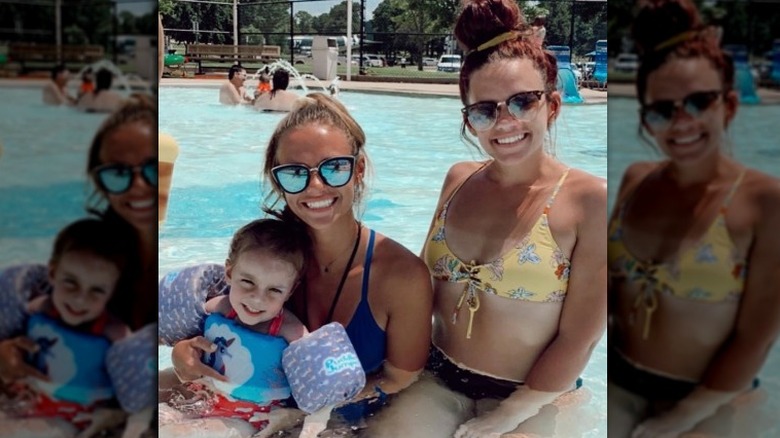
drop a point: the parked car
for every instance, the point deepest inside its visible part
(369, 60)
(377, 60)
(449, 63)
(627, 62)
(429, 62)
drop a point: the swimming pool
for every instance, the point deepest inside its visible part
(753, 138)
(43, 184)
(412, 141)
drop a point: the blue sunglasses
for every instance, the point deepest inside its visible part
(334, 171)
(117, 178)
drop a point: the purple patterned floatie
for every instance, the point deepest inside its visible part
(18, 285)
(182, 295)
(132, 366)
(323, 368)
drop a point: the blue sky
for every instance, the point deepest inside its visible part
(318, 8)
(137, 7)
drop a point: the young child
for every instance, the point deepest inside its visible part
(87, 83)
(249, 328)
(73, 332)
(264, 86)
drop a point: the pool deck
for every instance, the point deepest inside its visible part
(449, 90)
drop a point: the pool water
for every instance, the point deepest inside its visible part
(411, 141)
(752, 140)
(43, 183)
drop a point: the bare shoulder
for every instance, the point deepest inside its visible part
(590, 191)
(457, 174)
(635, 173)
(394, 265)
(764, 191)
(462, 170)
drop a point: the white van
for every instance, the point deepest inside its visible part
(449, 63)
(368, 60)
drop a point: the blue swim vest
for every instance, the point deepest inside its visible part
(251, 361)
(74, 361)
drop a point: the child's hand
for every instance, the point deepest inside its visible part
(12, 364)
(186, 359)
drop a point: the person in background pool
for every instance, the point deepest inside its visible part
(103, 98)
(517, 252)
(87, 83)
(54, 93)
(693, 244)
(233, 92)
(279, 99)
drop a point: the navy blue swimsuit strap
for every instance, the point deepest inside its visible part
(367, 267)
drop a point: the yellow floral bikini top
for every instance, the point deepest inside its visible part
(710, 271)
(535, 269)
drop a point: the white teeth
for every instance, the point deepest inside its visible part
(510, 139)
(252, 309)
(142, 204)
(321, 204)
(687, 140)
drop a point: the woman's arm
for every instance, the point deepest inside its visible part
(407, 296)
(757, 326)
(582, 323)
(584, 313)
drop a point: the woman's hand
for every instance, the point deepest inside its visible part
(186, 359)
(688, 412)
(520, 406)
(12, 364)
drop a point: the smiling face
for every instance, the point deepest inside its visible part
(511, 140)
(132, 144)
(260, 283)
(82, 284)
(319, 205)
(687, 139)
(239, 78)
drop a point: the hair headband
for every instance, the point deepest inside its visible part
(496, 40)
(705, 33)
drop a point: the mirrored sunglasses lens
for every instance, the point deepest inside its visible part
(521, 104)
(659, 113)
(115, 179)
(336, 172)
(696, 103)
(292, 179)
(482, 116)
(149, 171)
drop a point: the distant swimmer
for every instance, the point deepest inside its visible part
(103, 98)
(54, 92)
(279, 99)
(233, 92)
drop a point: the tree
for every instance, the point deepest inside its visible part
(304, 22)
